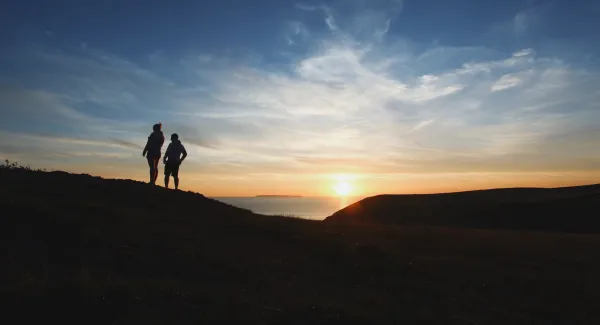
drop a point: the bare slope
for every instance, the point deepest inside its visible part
(568, 209)
(82, 250)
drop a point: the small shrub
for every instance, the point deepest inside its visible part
(13, 165)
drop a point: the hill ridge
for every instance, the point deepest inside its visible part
(507, 208)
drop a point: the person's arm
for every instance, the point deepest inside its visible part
(183, 152)
(146, 148)
(166, 154)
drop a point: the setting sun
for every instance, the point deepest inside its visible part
(343, 188)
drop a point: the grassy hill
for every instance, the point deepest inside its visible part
(568, 209)
(81, 249)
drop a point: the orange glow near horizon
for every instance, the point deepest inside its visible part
(221, 184)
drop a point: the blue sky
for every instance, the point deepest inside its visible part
(294, 96)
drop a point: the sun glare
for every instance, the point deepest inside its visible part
(343, 188)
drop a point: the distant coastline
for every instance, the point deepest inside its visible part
(279, 196)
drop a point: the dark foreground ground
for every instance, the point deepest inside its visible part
(78, 249)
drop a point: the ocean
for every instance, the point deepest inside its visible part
(315, 208)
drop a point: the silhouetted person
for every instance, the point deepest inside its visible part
(173, 158)
(152, 149)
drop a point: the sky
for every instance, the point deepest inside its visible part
(294, 97)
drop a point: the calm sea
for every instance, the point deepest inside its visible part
(317, 208)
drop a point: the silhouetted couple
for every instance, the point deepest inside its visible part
(173, 157)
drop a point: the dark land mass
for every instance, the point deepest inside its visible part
(77, 249)
(567, 209)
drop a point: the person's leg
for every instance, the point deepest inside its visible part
(155, 170)
(167, 173)
(176, 176)
(156, 160)
(151, 166)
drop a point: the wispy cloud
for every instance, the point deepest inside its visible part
(361, 106)
(507, 81)
(127, 144)
(524, 52)
(422, 125)
(296, 32)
